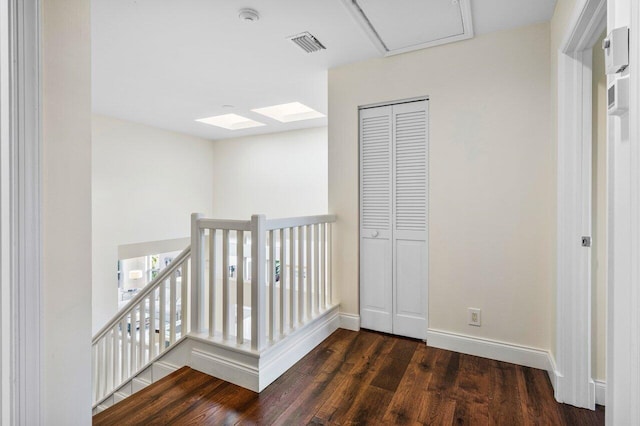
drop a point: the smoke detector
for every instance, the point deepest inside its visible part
(248, 15)
(307, 42)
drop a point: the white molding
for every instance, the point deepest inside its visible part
(492, 349)
(574, 384)
(349, 321)
(358, 16)
(623, 293)
(21, 295)
(225, 368)
(601, 391)
(274, 362)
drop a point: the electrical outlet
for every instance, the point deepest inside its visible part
(474, 317)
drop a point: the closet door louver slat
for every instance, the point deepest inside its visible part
(376, 172)
(411, 172)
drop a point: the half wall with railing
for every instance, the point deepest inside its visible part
(242, 287)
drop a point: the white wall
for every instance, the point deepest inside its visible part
(492, 179)
(146, 183)
(66, 198)
(279, 174)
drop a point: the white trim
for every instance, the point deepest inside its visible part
(20, 216)
(358, 16)
(601, 391)
(623, 297)
(492, 349)
(349, 321)
(225, 368)
(274, 362)
(574, 384)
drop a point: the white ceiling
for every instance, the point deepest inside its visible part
(166, 63)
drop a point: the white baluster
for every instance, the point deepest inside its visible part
(162, 321)
(226, 293)
(316, 262)
(292, 278)
(309, 274)
(172, 309)
(330, 263)
(114, 355)
(152, 324)
(141, 332)
(272, 288)
(301, 288)
(212, 282)
(124, 372)
(184, 299)
(134, 352)
(283, 280)
(323, 266)
(240, 287)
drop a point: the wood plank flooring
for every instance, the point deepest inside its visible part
(360, 378)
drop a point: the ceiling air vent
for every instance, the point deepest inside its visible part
(307, 42)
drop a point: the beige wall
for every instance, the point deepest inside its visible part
(146, 183)
(492, 179)
(66, 198)
(279, 174)
(599, 251)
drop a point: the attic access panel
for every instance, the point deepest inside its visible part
(400, 26)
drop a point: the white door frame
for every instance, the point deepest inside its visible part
(20, 236)
(623, 295)
(573, 382)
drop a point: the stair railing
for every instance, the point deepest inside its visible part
(154, 319)
(279, 274)
(244, 284)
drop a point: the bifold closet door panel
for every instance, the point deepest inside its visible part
(376, 273)
(410, 219)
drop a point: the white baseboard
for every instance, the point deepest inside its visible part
(601, 391)
(275, 362)
(257, 371)
(350, 321)
(507, 352)
(226, 368)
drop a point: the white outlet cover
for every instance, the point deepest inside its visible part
(474, 317)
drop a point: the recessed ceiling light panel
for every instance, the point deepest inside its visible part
(231, 122)
(286, 113)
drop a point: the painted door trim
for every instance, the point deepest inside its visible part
(574, 382)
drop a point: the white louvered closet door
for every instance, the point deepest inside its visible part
(393, 218)
(375, 219)
(410, 260)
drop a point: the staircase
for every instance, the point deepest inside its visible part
(243, 303)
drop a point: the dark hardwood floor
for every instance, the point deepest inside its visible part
(361, 378)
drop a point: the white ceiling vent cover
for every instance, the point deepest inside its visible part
(307, 42)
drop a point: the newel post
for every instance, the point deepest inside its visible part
(197, 273)
(258, 284)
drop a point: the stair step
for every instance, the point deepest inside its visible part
(119, 396)
(100, 408)
(162, 369)
(137, 384)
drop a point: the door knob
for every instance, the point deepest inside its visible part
(374, 234)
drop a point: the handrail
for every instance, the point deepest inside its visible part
(162, 276)
(230, 225)
(291, 222)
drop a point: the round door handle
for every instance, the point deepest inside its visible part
(374, 234)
